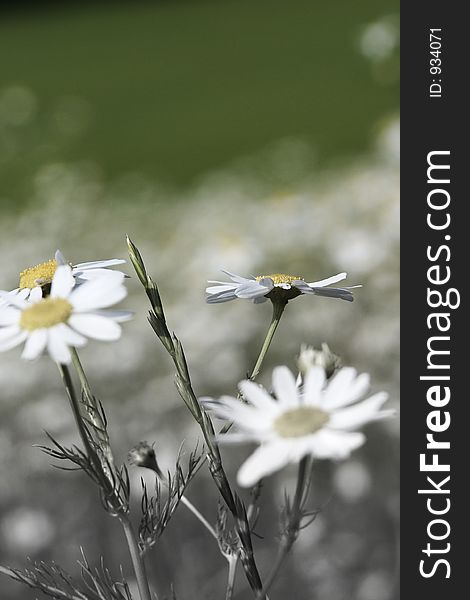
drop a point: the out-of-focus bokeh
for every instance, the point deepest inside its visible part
(258, 136)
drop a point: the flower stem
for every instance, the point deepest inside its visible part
(190, 506)
(137, 559)
(232, 571)
(94, 412)
(81, 373)
(278, 309)
(292, 531)
(75, 405)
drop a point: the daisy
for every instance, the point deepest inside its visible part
(65, 318)
(41, 275)
(277, 286)
(317, 419)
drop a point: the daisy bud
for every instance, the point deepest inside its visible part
(309, 357)
(143, 455)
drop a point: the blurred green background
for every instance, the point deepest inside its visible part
(258, 136)
(172, 89)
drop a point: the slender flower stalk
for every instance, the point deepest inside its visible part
(75, 406)
(292, 528)
(278, 309)
(94, 410)
(137, 560)
(190, 506)
(232, 571)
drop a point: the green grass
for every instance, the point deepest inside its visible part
(180, 88)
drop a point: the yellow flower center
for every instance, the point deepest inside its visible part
(39, 275)
(301, 421)
(279, 278)
(45, 313)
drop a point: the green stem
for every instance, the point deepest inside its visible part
(278, 309)
(292, 529)
(232, 571)
(137, 560)
(75, 405)
(81, 373)
(190, 506)
(94, 412)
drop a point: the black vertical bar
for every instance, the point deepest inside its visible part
(433, 119)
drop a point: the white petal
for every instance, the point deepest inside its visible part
(57, 347)
(99, 264)
(35, 294)
(62, 282)
(18, 294)
(23, 294)
(313, 386)
(284, 387)
(9, 315)
(18, 300)
(265, 460)
(329, 292)
(359, 414)
(99, 293)
(258, 397)
(267, 282)
(221, 297)
(9, 331)
(60, 258)
(327, 443)
(329, 280)
(250, 290)
(95, 326)
(71, 337)
(345, 388)
(303, 287)
(237, 278)
(247, 418)
(120, 316)
(91, 274)
(35, 344)
(217, 289)
(10, 337)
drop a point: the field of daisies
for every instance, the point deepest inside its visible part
(307, 440)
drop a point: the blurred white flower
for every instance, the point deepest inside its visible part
(379, 39)
(310, 357)
(277, 286)
(27, 530)
(64, 318)
(317, 419)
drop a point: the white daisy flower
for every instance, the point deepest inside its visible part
(277, 286)
(65, 318)
(41, 275)
(317, 419)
